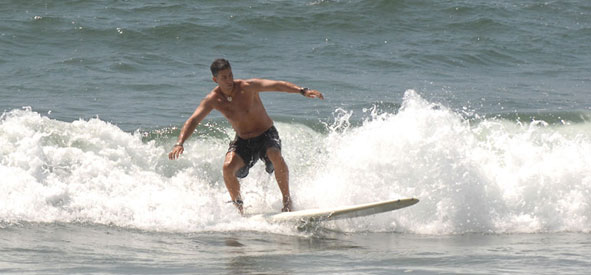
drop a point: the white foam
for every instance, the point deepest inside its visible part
(493, 176)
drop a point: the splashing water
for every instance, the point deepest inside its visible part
(493, 175)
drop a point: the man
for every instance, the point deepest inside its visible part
(256, 137)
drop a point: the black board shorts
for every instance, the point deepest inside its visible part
(253, 149)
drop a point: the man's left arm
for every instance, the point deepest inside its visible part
(266, 85)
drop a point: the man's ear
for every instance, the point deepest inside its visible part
(214, 79)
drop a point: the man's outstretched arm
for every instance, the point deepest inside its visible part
(266, 85)
(200, 113)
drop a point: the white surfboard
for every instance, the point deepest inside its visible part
(342, 212)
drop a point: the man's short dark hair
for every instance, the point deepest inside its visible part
(219, 65)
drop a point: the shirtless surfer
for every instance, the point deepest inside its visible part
(256, 137)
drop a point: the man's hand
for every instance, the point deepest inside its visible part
(313, 94)
(177, 150)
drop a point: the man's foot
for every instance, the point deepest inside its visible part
(287, 205)
(238, 204)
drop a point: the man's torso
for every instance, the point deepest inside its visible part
(245, 111)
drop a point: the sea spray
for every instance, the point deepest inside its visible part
(487, 175)
(91, 171)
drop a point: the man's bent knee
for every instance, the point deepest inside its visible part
(274, 155)
(232, 163)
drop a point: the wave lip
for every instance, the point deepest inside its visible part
(492, 175)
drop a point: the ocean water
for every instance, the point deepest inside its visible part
(481, 109)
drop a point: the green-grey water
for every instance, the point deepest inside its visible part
(480, 109)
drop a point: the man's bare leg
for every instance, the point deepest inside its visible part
(233, 163)
(281, 175)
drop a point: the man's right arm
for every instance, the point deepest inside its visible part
(200, 113)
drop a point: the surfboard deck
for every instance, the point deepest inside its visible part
(337, 213)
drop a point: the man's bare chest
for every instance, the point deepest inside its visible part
(241, 106)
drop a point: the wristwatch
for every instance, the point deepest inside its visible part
(303, 91)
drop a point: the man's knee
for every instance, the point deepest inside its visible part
(232, 163)
(275, 156)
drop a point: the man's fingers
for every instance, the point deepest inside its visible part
(313, 94)
(175, 153)
(317, 94)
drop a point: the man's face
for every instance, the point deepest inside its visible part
(225, 79)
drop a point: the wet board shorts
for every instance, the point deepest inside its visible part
(253, 149)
